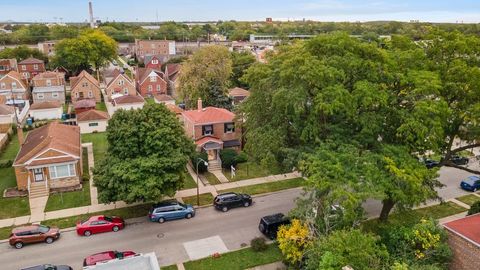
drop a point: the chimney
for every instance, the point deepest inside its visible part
(199, 104)
(20, 134)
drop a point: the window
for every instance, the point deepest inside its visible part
(40, 96)
(207, 130)
(153, 78)
(153, 52)
(85, 84)
(2, 68)
(2, 85)
(26, 75)
(61, 171)
(90, 94)
(14, 85)
(76, 95)
(158, 87)
(152, 45)
(229, 127)
(154, 61)
(49, 82)
(19, 97)
(93, 124)
(54, 95)
(150, 88)
(125, 91)
(24, 67)
(121, 82)
(35, 67)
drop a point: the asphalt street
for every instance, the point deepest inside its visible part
(236, 227)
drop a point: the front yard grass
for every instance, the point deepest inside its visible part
(237, 260)
(189, 182)
(64, 200)
(101, 106)
(211, 178)
(469, 199)
(170, 267)
(248, 170)
(205, 199)
(100, 144)
(268, 187)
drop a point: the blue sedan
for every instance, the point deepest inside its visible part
(471, 183)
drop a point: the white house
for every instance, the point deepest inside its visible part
(92, 121)
(46, 110)
(7, 114)
(127, 102)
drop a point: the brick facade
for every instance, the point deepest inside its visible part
(31, 67)
(466, 254)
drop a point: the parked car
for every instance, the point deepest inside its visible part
(471, 183)
(168, 210)
(33, 234)
(114, 62)
(459, 160)
(230, 200)
(49, 267)
(106, 256)
(99, 224)
(269, 225)
(430, 163)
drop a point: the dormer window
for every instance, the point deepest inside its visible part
(153, 78)
(207, 130)
(155, 61)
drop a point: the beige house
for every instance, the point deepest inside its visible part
(49, 158)
(49, 86)
(85, 86)
(92, 121)
(12, 83)
(120, 84)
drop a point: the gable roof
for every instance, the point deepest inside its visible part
(128, 99)
(31, 60)
(92, 115)
(163, 98)
(238, 92)
(84, 74)
(174, 108)
(16, 76)
(6, 110)
(63, 138)
(84, 103)
(209, 115)
(115, 75)
(45, 105)
(143, 73)
(49, 75)
(172, 71)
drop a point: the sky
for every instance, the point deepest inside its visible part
(241, 10)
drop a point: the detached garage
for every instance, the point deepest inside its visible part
(46, 110)
(92, 121)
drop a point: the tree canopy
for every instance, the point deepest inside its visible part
(146, 157)
(21, 53)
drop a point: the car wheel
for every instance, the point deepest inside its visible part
(87, 233)
(161, 220)
(188, 216)
(115, 228)
(224, 209)
(246, 204)
(18, 245)
(49, 240)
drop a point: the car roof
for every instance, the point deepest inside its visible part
(473, 178)
(101, 256)
(278, 217)
(165, 203)
(25, 228)
(93, 218)
(228, 194)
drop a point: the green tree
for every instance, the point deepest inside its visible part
(22, 52)
(146, 156)
(206, 75)
(240, 63)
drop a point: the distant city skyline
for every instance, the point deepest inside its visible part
(467, 11)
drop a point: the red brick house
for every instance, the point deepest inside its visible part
(150, 82)
(159, 48)
(7, 65)
(85, 86)
(464, 240)
(49, 158)
(153, 62)
(212, 129)
(31, 67)
(120, 84)
(172, 72)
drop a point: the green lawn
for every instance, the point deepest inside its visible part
(268, 187)
(170, 267)
(205, 199)
(100, 144)
(440, 210)
(469, 199)
(101, 106)
(237, 260)
(70, 199)
(249, 170)
(211, 178)
(11, 149)
(189, 182)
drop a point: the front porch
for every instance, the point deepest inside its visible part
(212, 147)
(43, 179)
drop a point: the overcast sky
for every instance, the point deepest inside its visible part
(212, 10)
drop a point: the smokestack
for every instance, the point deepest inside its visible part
(90, 10)
(20, 134)
(199, 104)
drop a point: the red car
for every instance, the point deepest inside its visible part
(99, 224)
(106, 256)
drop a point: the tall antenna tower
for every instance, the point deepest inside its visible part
(90, 10)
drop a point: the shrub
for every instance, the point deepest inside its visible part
(241, 158)
(258, 244)
(228, 157)
(195, 158)
(475, 208)
(5, 163)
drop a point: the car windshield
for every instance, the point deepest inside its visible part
(182, 205)
(43, 229)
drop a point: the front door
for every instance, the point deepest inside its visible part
(38, 175)
(212, 154)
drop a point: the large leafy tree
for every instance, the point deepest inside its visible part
(146, 157)
(206, 75)
(241, 61)
(22, 52)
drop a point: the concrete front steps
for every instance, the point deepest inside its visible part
(214, 166)
(38, 190)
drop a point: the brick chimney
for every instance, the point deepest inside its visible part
(20, 135)
(199, 104)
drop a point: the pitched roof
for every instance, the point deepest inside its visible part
(163, 98)
(31, 60)
(57, 136)
(115, 74)
(238, 92)
(6, 110)
(84, 103)
(174, 108)
(92, 115)
(127, 99)
(209, 115)
(45, 105)
(84, 74)
(202, 141)
(17, 76)
(143, 73)
(49, 75)
(173, 71)
(467, 228)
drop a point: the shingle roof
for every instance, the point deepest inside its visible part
(207, 139)
(127, 99)
(92, 115)
(163, 98)
(57, 136)
(209, 115)
(45, 105)
(174, 108)
(49, 75)
(49, 89)
(84, 74)
(467, 227)
(173, 71)
(142, 74)
(238, 92)
(6, 110)
(31, 60)
(16, 76)
(116, 73)
(84, 103)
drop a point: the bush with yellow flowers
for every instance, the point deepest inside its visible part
(293, 240)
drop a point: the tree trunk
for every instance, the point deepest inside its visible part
(388, 205)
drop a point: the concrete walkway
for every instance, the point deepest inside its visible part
(37, 208)
(270, 266)
(220, 176)
(91, 164)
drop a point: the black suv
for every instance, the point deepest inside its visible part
(229, 200)
(458, 160)
(269, 225)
